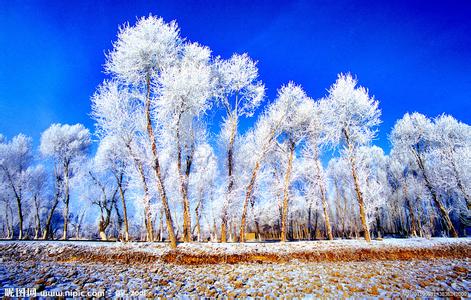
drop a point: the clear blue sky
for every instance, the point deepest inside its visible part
(412, 55)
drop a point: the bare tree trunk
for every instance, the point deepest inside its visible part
(104, 223)
(364, 222)
(234, 231)
(106, 205)
(148, 218)
(156, 167)
(363, 217)
(284, 218)
(161, 227)
(230, 185)
(47, 227)
(12, 229)
(101, 230)
(321, 183)
(339, 213)
(344, 223)
(7, 219)
(37, 229)
(215, 231)
(66, 199)
(119, 180)
(443, 212)
(198, 227)
(229, 231)
(18, 202)
(186, 218)
(257, 229)
(146, 197)
(251, 185)
(413, 224)
(184, 179)
(20, 218)
(419, 221)
(378, 224)
(79, 225)
(248, 195)
(224, 229)
(309, 221)
(47, 233)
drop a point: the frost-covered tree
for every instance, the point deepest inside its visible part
(314, 170)
(138, 58)
(400, 173)
(117, 112)
(112, 157)
(186, 89)
(99, 188)
(452, 148)
(203, 182)
(258, 142)
(36, 189)
(350, 122)
(67, 145)
(413, 136)
(372, 170)
(15, 158)
(120, 117)
(53, 202)
(240, 93)
(300, 108)
(5, 217)
(339, 177)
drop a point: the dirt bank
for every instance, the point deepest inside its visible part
(213, 253)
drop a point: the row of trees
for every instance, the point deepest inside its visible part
(306, 169)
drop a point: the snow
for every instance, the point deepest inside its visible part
(404, 278)
(160, 249)
(42, 265)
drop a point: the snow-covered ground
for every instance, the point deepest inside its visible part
(56, 267)
(243, 248)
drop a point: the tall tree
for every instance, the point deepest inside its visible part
(120, 117)
(312, 152)
(58, 189)
(15, 158)
(240, 93)
(67, 145)
(351, 122)
(36, 188)
(186, 91)
(257, 144)
(203, 182)
(339, 174)
(371, 167)
(401, 169)
(100, 189)
(112, 157)
(300, 108)
(138, 58)
(413, 136)
(452, 148)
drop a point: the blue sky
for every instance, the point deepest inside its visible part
(412, 55)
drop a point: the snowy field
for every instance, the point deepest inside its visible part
(427, 268)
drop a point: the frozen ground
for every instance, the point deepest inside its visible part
(55, 267)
